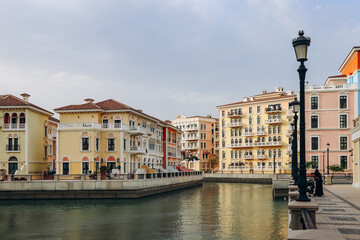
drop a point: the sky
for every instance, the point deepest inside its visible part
(167, 57)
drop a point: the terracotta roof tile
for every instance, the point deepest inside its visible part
(111, 104)
(10, 100)
(54, 119)
(85, 106)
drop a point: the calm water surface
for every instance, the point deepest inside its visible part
(213, 211)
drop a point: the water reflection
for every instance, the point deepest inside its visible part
(214, 211)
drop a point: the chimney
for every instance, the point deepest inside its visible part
(25, 96)
(290, 92)
(89, 100)
(139, 110)
(264, 91)
(208, 116)
(279, 89)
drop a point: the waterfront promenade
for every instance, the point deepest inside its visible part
(339, 210)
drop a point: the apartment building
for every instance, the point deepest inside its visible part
(172, 145)
(253, 133)
(199, 141)
(24, 138)
(111, 134)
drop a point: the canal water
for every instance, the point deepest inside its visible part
(213, 211)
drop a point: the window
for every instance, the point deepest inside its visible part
(258, 120)
(314, 102)
(223, 123)
(66, 168)
(124, 144)
(343, 143)
(85, 167)
(223, 113)
(314, 162)
(223, 133)
(314, 143)
(343, 121)
(250, 110)
(250, 120)
(97, 144)
(343, 102)
(111, 144)
(314, 121)
(258, 109)
(344, 162)
(46, 131)
(45, 151)
(223, 155)
(85, 144)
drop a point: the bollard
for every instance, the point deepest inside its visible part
(56, 177)
(9, 178)
(82, 177)
(29, 178)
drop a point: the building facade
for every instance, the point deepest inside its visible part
(199, 141)
(253, 133)
(24, 135)
(111, 134)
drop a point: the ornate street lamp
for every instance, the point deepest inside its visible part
(295, 107)
(327, 145)
(301, 44)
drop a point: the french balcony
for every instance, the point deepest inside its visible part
(273, 110)
(137, 150)
(234, 124)
(13, 126)
(264, 144)
(234, 114)
(240, 145)
(12, 148)
(262, 156)
(273, 121)
(260, 133)
(137, 130)
(248, 134)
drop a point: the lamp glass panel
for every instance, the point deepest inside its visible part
(296, 107)
(301, 51)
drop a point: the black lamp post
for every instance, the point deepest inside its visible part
(327, 145)
(301, 45)
(323, 163)
(295, 106)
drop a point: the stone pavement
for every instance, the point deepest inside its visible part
(339, 210)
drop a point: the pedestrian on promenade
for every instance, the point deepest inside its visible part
(318, 180)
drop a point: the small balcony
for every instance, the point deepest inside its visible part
(190, 129)
(137, 150)
(191, 148)
(248, 134)
(240, 145)
(234, 124)
(234, 114)
(87, 125)
(137, 130)
(276, 109)
(273, 121)
(12, 148)
(265, 144)
(262, 156)
(248, 156)
(13, 126)
(260, 133)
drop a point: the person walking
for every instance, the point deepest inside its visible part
(318, 184)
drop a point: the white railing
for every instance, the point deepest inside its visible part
(260, 156)
(234, 145)
(137, 130)
(191, 147)
(275, 143)
(273, 121)
(260, 133)
(190, 128)
(191, 138)
(248, 156)
(93, 125)
(248, 134)
(14, 126)
(234, 124)
(234, 114)
(331, 87)
(136, 149)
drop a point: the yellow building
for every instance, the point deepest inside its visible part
(254, 131)
(110, 134)
(23, 135)
(355, 133)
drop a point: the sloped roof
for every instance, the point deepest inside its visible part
(112, 104)
(9, 100)
(54, 119)
(85, 106)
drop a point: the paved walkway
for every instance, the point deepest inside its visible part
(339, 210)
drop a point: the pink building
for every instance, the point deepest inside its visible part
(330, 111)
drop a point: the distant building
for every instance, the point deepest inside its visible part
(199, 142)
(253, 133)
(24, 138)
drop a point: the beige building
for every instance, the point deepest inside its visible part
(254, 133)
(24, 138)
(199, 142)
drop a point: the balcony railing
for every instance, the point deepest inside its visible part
(234, 124)
(260, 133)
(272, 109)
(191, 138)
(260, 156)
(331, 87)
(237, 145)
(270, 121)
(247, 134)
(82, 125)
(248, 156)
(137, 130)
(14, 126)
(12, 148)
(191, 148)
(137, 150)
(234, 114)
(275, 143)
(190, 129)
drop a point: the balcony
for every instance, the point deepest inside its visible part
(264, 144)
(12, 127)
(234, 124)
(137, 150)
(248, 134)
(248, 156)
(273, 109)
(82, 125)
(12, 148)
(191, 138)
(273, 121)
(137, 130)
(190, 129)
(240, 145)
(260, 133)
(331, 87)
(234, 114)
(191, 148)
(260, 156)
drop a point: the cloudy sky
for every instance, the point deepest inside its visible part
(167, 57)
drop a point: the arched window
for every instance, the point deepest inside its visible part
(22, 120)
(117, 121)
(279, 138)
(250, 129)
(246, 129)
(274, 129)
(6, 118)
(232, 154)
(105, 122)
(275, 152)
(240, 140)
(85, 141)
(85, 165)
(250, 140)
(279, 129)
(269, 130)
(111, 163)
(270, 139)
(263, 139)
(270, 117)
(250, 152)
(263, 128)
(236, 141)
(240, 154)
(236, 154)
(274, 139)
(270, 153)
(263, 152)
(258, 139)
(14, 120)
(246, 152)
(246, 140)
(65, 166)
(223, 155)
(13, 165)
(232, 141)
(279, 153)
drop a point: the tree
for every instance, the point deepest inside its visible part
(336, 168)
(311, 164)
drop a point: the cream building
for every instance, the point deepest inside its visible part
(254, 133)
(199, 140)
(24, 135)
(109, 133)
